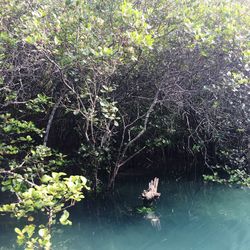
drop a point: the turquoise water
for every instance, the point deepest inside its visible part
(188, 216)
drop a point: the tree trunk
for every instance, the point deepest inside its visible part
(111, 183)
(95, 173)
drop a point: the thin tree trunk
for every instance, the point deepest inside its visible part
(122, 157)
(51, 117)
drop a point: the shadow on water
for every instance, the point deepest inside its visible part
(192, 216)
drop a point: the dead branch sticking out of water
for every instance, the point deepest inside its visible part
(151, 193)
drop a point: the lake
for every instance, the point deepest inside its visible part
(188, 216)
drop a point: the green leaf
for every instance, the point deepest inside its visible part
(18, 231)
(46, 178)
(64, 218)
(56, 40)
(30, 230)
(42, 232)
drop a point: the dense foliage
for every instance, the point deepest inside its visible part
(107, 81)
(27, 171)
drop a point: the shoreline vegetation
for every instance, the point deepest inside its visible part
(90, 89)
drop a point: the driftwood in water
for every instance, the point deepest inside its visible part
(151, 193)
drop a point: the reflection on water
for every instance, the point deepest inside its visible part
(154, 219)
(189, 216)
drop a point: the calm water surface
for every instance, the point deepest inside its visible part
(189, 216)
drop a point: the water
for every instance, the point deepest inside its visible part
(191, 216)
